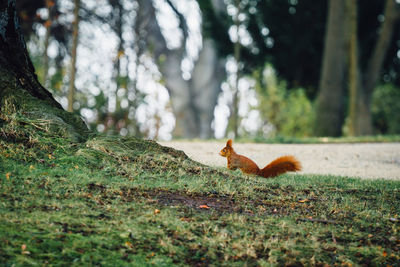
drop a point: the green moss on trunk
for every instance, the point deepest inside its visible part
(25, 115)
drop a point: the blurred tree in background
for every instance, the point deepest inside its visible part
(74, 47)
(289, 34)
(327, 58)
(365, 67)
(193, 97)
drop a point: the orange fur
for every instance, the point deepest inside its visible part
(246, 165)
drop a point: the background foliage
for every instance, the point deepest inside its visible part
(129, 95)
(386, 109)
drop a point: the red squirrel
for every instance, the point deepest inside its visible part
(246, 165)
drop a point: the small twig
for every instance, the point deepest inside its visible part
(333, 238)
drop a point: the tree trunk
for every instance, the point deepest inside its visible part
(354, 82)
(192, 101)
(75, 35)
(370, 78)
(330, 107)
(120, 53)
(113, 120)
(47, 25)
(139, 47)
(236, 48)
(207, 76)
(23, 101)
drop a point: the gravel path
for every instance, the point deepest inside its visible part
(366, 160)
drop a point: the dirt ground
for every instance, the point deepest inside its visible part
(365, 160)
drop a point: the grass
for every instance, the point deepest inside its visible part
(113, 202)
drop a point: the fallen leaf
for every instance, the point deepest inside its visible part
(204, 207)
(156, 211)
(31, 167)
(8, 176)
(120, 53)
(384, 254)
(128, 244)
(76, 167)
(303, 200)
(261, 208)
(23, 250)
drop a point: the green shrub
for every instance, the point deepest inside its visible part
(386, 109)
(289, 112)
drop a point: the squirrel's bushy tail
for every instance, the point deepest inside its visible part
(280, 166)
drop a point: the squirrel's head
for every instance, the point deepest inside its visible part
(227, 150)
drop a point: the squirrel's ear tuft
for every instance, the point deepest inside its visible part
(229, 143)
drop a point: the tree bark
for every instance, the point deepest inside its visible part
(75, 35)
(23, 101)
(330, 107)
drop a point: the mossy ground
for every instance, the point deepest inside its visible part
(124, 201)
